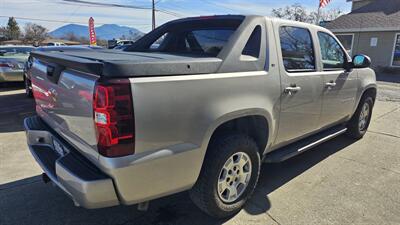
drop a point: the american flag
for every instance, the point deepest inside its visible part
(323, 3)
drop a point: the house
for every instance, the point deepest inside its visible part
(372, 28)
(12, 42)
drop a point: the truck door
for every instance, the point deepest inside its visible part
(301, 83)
(340, 86)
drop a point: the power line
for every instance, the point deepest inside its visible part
(121, 6)
(59, 21)
(107, 4)
(219, 5)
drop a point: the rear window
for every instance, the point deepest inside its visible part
(203, 37)
(208, 42)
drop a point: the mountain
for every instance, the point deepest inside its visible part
(105, 32)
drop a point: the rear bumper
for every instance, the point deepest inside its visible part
(76, 176)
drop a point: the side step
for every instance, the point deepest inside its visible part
(301, 146)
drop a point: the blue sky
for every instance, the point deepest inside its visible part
(59, 12)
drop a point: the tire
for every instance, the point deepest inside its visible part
(355, 128)
(28, 88)
(205, 192)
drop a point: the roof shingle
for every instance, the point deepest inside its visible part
(378, 15)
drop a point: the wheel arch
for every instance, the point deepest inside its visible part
(369, 90)
(256, 123)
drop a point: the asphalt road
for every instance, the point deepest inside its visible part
(339, 182)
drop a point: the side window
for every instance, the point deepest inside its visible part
(253, 45)
(297, 49)
(156, 45)
(333, 56)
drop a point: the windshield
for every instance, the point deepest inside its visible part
(15, 50)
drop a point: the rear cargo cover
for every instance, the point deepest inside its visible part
(112, 63)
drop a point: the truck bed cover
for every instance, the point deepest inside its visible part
(111, 63)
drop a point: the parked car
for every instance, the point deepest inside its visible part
(121, 47)
(56, 44)
(12, 60)
(201, 112)
(116, 42)
(29, 62)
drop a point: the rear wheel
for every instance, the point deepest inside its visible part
(228, 177)
(359, 123)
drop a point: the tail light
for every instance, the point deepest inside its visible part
(7, 65)
(113, 118)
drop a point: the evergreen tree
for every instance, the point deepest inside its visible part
(12, 30)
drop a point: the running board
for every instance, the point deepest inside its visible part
(301, 146)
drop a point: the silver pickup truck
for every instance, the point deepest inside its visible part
(197, 104)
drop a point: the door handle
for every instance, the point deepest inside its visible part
(331, 84)
(292, 89)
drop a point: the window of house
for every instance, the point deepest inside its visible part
(396, 52)
(297, 49)
(347, 41)
(333, 56)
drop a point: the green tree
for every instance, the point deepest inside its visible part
(12, 30)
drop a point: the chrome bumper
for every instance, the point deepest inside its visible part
(76, 176)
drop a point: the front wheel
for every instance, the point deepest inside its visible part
(228, 177)
(359, 123)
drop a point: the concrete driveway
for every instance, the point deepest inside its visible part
(339, 182)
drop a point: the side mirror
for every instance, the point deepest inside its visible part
(361, 61)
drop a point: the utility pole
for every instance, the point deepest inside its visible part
(154, 15)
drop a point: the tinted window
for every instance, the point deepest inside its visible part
(202, 36)
(253, 45)
(297, 49)
(207, 42)
(333, 56)
(210, 42)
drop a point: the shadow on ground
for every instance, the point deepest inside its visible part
(29, 201)
(392, 78)
(14, 107)
(12, 86)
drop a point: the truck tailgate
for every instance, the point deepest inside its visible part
(64, 100)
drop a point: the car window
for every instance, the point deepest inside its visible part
(297, 49)
(209, 41)
(253, 45)
(333, 56)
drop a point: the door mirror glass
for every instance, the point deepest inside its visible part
(361, 61)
